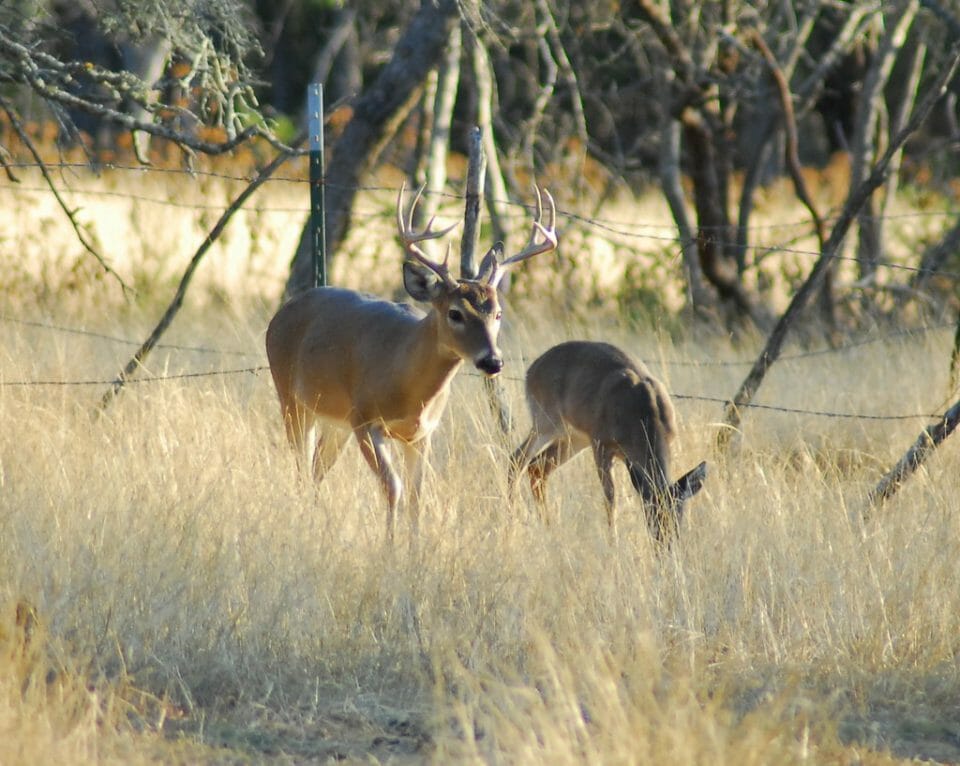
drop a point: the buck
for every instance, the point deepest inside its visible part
(345, 362)
(585, 394)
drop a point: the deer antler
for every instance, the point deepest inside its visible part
(410, 238)
(533, 247)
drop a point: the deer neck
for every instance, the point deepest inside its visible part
(434, 363)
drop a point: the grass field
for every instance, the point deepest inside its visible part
(172, 594)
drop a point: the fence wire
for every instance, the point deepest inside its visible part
(256, 370)
(619, 228)
(795, 356)
(629, 230)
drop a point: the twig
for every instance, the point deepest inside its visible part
(791, 150)
(5, 157)
(531, 127)
(569, 75)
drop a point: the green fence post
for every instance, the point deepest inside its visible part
(318, 224)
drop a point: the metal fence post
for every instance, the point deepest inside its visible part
(318, 224)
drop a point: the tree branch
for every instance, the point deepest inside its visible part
(926, 443)
(46, 83)
(165, 321)
(791, 150)
(78, 230)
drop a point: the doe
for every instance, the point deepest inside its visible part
(586, 394)
(345, 362)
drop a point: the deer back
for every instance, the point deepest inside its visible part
(316, 354)
(602, 392)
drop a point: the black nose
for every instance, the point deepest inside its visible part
(490, 365)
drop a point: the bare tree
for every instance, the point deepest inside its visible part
(376, 114)
(164, 48)
(870, 136)
(705, 119)
(203, 51)
(854, 203)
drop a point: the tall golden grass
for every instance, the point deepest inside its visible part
(171, 593)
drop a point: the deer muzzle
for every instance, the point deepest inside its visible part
(490, 364)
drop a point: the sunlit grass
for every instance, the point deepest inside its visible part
(195, 602)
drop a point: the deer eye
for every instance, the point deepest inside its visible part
(455, 316)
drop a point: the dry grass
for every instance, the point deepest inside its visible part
(172, 594)
(195, 604)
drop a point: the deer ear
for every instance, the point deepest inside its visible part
(691, 482)
(421, 283)
(490, 263)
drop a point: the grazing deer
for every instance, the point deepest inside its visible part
(344, 362)
(584, 394)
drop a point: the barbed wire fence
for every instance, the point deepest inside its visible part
(665, 234)
(887, 337)
(631, 229)
(628, 230)
(943, 423)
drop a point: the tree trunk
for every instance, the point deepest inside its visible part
(867, 134)
(900, 113)
(417, 170)
(374, 120)
(669, 170)
(704, 129)
(714, 232)
(448, 80)
(496, 190)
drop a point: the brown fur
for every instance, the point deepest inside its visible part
(584, 394)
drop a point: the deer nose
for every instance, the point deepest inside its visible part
(491, 365)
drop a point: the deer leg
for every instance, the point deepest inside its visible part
(535, 442)
(299, 424)
(520, 459)
(545, 463)
(603, 458)
(373, 447)
(330, 441)
(415, 460)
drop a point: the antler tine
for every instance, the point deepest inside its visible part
(553, 211)
(407, 234)
(400, 224)
(549, 232)
(410, 238)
